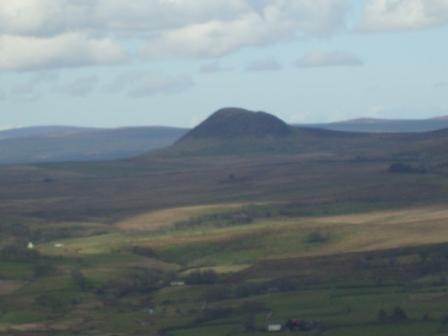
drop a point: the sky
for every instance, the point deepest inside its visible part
(111, 63)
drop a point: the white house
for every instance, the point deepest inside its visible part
(177, 283)
(30, 245)
(275, 327)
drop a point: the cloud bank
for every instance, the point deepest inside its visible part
(47, 34)
(400, 15)
(42, 34)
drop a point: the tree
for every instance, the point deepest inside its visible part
(398, 315)
(42, 268)
(316, 238)
(382, 316)
(80, 280)
(202, 277)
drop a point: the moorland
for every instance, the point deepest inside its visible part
(242, 223)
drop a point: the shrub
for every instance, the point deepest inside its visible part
(398, 315)
(80, 280)
(316, 238)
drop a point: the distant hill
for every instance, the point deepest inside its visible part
(239, 132)
(441, 118)
(235, 131)
(385, 125)
(59, 143)
(39, 131)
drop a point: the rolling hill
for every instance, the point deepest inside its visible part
(56, 144)
(385, 125)
(42, 131)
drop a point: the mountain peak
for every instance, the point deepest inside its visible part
(237, 122)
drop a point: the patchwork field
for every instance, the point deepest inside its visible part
(234, 269)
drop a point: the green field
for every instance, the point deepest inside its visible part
(249, 273)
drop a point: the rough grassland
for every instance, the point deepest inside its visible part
(166, 218)
(269, 238)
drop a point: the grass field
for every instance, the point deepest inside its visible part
(215, 244)
(279, 267)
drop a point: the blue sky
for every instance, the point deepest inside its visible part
(174, 62)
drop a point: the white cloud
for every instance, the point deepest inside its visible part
(50, 17)
(264, 65)
(397, 15)
(41, 34)
(277, 21)
(68, 50)
(143, 84)
(328, 59)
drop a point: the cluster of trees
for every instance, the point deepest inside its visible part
(144, 251)
(80, 280)
(397, 315)
(218, 219)
(207, 277)
(19, 253)
(41, 265)
(297, 325)
(137, 281)
(405, 168)
(245, 290)
(317, 238)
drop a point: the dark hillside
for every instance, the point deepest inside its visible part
(235, 122)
